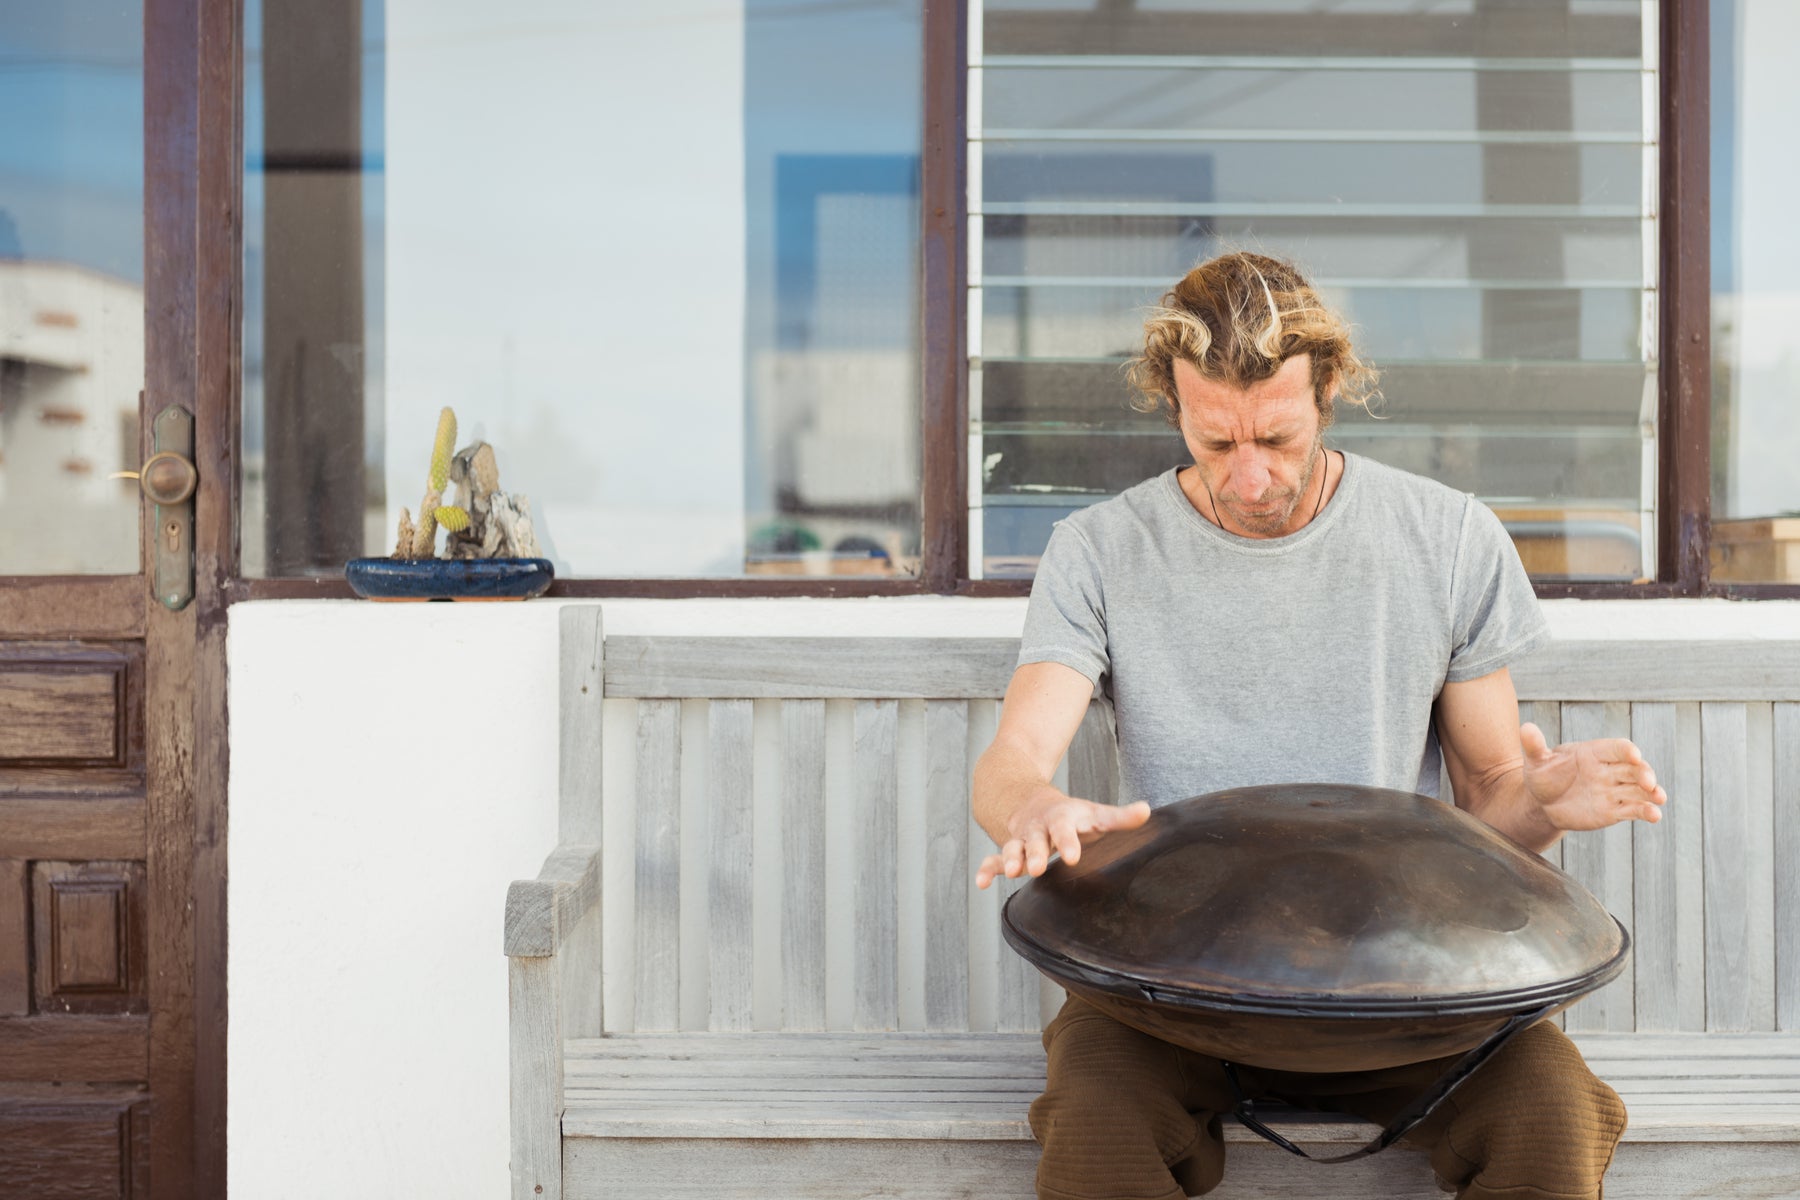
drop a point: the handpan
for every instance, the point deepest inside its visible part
(1317, 928)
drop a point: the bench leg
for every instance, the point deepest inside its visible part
(537, 1077)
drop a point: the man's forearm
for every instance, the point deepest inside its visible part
(1504, 802)
(1005, 781)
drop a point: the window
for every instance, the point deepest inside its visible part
(714, 283)
(1755, 293)
(663, 262)
(1470, 184)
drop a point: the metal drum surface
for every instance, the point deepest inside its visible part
(1316, 927)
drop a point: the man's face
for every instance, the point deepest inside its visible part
(1256, 449)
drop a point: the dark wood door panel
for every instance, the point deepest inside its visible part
(74, 1143)
(88, 948)
(71, 705)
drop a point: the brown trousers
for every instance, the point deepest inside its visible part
(1125, 1116)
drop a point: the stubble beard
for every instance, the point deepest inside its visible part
(1276, 523)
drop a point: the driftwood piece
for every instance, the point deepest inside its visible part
(499, 524)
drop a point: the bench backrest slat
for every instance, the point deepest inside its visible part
(1668, 888)
(1602, 861)
(875, 886)
(947, 864)
(1737, 831)
(1785, 851)
(657, 916)
(803, 894)
(730, 864)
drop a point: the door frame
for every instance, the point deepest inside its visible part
(193, 237)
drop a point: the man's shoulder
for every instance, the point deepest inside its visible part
(1138, 506)
(1415, 496)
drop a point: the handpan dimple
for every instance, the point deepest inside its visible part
(1316, 927)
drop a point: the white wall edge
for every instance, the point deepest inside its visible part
(958, 616)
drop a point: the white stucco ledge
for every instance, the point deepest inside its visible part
(958, 616)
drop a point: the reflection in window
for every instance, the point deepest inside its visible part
(1756, 292)
(71, 286)
(1468, 187)
(665, 262)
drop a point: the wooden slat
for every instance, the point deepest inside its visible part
(1739, 931)
(579, 743)
(535, 1063)
(578, 964)
(876, 887)
(946, 864)
(1667, 882)
(73, 1049)
(1094, 757)
(803, 895)
(76, 828)
(1758, 863)
(728, 897)
(959, 668)
(828, 667)
(744, 1168)
(580, 809)
(1661, 670)
(15, 937)
(1787, 877)
(1018, 1010)
(1601, 860)
(658, 862)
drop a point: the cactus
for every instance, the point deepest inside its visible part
(452, 518)
(424, 543)
(442, 450)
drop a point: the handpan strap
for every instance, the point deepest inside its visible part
(1409, 1116)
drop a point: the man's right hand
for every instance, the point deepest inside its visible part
(1056, 822)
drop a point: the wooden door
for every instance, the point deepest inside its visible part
(111, 700)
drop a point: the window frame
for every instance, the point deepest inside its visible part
(1684, 353)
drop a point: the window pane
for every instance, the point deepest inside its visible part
(1468, 183)
(71, 286)
(636, 253)
(1756, 296)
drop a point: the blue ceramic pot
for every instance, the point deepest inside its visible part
(449, 579)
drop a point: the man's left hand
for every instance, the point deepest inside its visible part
(1590, 785)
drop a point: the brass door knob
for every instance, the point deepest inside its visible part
(168, 478)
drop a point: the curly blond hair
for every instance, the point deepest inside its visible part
(1237, 318)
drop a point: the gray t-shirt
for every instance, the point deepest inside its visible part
(1314, 657)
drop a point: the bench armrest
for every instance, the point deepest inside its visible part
(542, 912)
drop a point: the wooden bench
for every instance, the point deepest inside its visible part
(792, 989)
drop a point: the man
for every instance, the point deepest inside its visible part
(1282, 612)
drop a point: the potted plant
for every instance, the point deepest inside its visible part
(490, 550)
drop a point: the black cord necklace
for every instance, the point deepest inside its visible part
(1323, 476)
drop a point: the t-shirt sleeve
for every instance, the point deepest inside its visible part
(1065, 621)
(1495, 614)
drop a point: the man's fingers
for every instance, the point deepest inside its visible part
(1067, 841)
(1532, 741)
(1128, 817)
(991, 866)
(1037, 851)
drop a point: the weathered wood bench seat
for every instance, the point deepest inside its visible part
(805, 997)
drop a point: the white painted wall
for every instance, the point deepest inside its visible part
(572, 282)
(393, 768)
